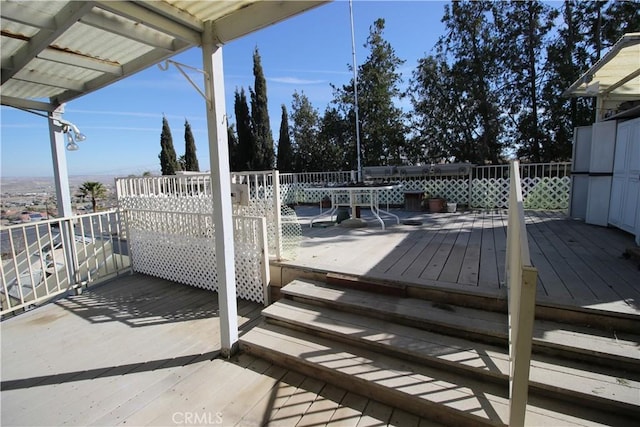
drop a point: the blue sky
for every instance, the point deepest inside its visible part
(306, 53)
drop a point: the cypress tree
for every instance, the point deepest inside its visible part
(260, 117)
(245, 153)
(285, 150)
(168, 161)
(190, 158)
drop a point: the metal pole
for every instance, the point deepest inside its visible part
(355, 90)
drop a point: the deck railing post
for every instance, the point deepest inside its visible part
(521, 284)
(277, 213)
(264, 245)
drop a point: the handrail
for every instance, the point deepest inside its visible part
(521, 279)
(46, 258)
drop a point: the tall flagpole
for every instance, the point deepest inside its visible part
(355, 90)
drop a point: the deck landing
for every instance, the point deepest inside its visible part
(579, 265)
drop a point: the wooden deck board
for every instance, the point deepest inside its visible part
(453, 266)
(107, 357)
(578, 264)
(470, 268)
(488, 275)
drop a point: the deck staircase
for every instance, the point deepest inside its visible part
(448, 362)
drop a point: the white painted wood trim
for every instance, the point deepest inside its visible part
(220, 189)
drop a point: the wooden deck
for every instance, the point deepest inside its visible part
(578, 264)
(144, 351)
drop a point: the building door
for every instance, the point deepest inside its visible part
(625, 189)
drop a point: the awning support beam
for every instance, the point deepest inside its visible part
(221, 190)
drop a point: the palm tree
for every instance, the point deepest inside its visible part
(93, 189)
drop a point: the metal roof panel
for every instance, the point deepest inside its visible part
(59, 50)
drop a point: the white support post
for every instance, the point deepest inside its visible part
(266, 274)
(63, 193)
(58, 154)
(277, 211)
(220, 189)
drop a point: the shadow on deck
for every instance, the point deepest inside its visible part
(144, 351)
(580, 266)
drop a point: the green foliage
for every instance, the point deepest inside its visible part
(491, 88)
(305, 130)
(382, 129)
(264, 152)
(168, 161)
(94, 190)
(190, 158)
(244, 155)
(286, 155)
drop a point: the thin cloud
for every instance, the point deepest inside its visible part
(295, 81)
(294, 70)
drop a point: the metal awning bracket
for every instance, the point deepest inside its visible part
(164, 66)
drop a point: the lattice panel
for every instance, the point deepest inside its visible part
(487, 193)
(192, 204)
(264, 208)
(490, 193)
(547, 193)
(183, 259)
(249, 272)
(180, 246)
(538, 193)
(291, 233)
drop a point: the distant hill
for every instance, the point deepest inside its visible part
(35, 184)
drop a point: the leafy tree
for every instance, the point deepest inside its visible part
(264, 154)
(382, 128)
(245, 153)
(524, 29)
(286, 155)
(190, 158)
(94, 190)
(168, 161)
(336, 136)
(567, 59)
(440, 120)
(471, 41)
(305, 129)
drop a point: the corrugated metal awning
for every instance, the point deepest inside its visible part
(56, 51)
(616, 76)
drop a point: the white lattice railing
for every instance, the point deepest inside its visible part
(47, 258)
(521, 279)
(263, 200)
(192, 193)
(544, 186)
(180, 246)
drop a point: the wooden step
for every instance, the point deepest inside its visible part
(569, 341)
(486, 300)
(421, 390)
(605, 388)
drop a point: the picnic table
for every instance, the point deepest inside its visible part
(354, 196)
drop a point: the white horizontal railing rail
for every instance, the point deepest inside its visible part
(44, 259)
(263, 189)
(544, 185)
(196, 184)
(521, 279)
(253, 194)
